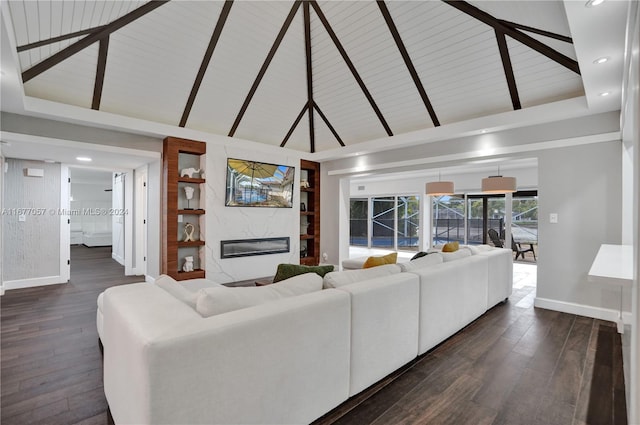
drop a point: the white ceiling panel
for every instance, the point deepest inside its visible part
(282, 92)
(367, 40)
(152, 62)
(71, 81)
(461, 82)
(245, 41)
(539, 79)
(337, 92)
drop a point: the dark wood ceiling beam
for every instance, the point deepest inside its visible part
(102, 64)
(350, 65)
(508, 69)
(58, 38)
(265, 65)
(307, 45)
(294, 125)
(538, 31)
(523, 38)
(87, 41)
(407, 60)
(222, 19)
(326, 121)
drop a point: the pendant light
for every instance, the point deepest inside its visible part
(498, 184)
(439, 188)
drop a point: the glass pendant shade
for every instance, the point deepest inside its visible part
(439, 188)
(498, 184)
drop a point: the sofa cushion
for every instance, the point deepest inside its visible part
(477, 249)
(426, 261)
(222, 299)
(286, 271)
(380, 261)
(172, 286)
(338, 279)
(452, 256)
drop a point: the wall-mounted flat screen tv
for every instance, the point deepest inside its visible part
(258, 184)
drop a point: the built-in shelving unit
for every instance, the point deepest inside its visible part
(309, 213)
(178, 210)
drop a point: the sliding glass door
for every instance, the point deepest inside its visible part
(386, 222)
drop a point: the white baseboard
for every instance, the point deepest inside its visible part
(29, 283)
(149, 279)
(118, 258)
(583, 310)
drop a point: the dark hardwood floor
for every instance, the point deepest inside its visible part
(51, 364)
(514, 365)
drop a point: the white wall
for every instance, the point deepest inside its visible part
(31, 247)
(583, 186)
(90, 195)
(154, 221)
(227, 223)
(1, 221)
(631, 197)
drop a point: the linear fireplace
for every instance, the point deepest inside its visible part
(248, 247)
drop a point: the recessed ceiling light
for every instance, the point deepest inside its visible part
(83, 158)
(606, 93)
(484, 131)
(49, 161)
(594, 3)
(602, 60)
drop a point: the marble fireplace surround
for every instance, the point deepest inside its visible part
(249, 247)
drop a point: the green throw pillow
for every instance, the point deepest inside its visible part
(285, 271)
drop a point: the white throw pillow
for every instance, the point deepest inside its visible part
(346, 277)
(418, 263)
(173, 287)
(476, 249)
(452, 256)
(222, 299)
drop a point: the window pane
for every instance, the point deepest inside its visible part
(475, 226)
(448, 219)
(408, 222)
(359, 212)
(383, 222)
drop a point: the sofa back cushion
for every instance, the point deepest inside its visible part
(338, 279)
(222, 299)
(421, 262)
(170, 285)
(453, 256)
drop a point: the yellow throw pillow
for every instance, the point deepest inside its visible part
(380, 261)
(451, 247)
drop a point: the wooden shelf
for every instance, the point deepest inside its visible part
(196, 274)
(182, 244)
(310, 196)
(190, 180)
(178, 154)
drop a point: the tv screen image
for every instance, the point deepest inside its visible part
(259, 184)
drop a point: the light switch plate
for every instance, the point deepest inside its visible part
(22, 217)
(553, 218)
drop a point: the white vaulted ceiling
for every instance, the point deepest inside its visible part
(358, 86)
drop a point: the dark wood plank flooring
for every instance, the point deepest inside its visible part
(514, 365)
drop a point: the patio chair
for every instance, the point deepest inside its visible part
(495, 238)
(517, 248)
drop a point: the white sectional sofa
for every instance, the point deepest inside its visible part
(294, 358)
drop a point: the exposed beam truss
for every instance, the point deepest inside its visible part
(205, 60)
(102, 64)
(514, 33)
(407, 60)
(87, 41)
